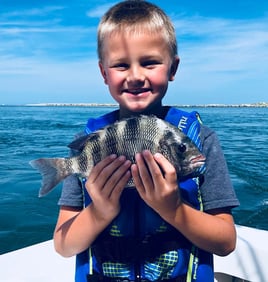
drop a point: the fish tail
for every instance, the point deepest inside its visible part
(52, 172)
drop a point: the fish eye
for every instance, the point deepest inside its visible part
(182, 148)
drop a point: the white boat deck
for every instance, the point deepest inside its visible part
(249, 261)
(37, 263)
(41, 263)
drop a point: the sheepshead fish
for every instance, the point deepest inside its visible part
(125, 137)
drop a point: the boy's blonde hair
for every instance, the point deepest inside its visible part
(136, 17)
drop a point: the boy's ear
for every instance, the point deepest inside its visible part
(174, 68)
(103, 72)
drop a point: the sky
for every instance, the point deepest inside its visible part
(48, 51)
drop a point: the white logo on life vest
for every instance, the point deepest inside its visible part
(183, 122)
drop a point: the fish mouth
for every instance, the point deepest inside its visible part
(197, 161)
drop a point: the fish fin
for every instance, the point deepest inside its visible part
(50, 171)
(79, 143)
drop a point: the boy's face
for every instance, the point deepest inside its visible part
(137, 69)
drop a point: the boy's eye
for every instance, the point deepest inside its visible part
(150, 63)
(121, 66)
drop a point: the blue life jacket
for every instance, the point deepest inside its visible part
(138, 223)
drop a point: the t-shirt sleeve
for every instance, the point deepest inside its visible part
(71, 194)
(217, 190)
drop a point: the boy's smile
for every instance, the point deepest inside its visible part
(137, 69)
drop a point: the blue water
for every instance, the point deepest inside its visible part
(28, 133)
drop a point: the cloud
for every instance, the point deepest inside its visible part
(45, 37)
(222, 44)
(222, 60)
(31, 80)
(99, 11)
(32, 12)
(220, 30)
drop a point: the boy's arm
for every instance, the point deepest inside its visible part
(214, 232)
(77, 229)
(156, 181)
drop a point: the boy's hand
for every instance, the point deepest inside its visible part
(105, 185)
(156, 181)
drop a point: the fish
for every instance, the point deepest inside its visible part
(125, 137)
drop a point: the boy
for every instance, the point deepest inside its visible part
(158, 231)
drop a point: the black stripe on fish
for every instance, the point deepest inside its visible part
(131, 132)
(169, 135)
(110, 142)
(83, 162)
(95, 147)
(131, 129)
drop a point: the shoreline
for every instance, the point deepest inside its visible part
(107, 105)
(244, 105)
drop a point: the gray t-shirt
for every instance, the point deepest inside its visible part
(216, 190)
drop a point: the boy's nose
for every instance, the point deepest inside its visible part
(135, 75)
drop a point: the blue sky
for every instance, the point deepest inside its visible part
(48, 51)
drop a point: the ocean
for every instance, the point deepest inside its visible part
(30, 132)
